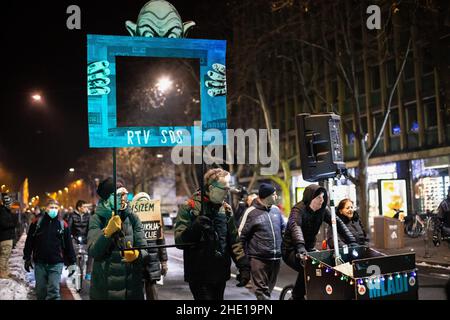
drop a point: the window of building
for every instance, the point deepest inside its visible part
(375, 76)
(430, 114)
(391, 71)
(408, 71)
(413, 124)
(395, 122)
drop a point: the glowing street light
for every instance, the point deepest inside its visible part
(72, 170)
(36, 97)
(164, 84)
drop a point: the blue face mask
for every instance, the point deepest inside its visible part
(52, 213)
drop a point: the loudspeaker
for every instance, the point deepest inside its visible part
(321, 151)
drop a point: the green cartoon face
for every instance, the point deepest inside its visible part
(158, 18)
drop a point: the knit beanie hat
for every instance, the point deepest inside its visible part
(265, 190)
(105, 188)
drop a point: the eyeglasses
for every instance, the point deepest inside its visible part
(227, 189)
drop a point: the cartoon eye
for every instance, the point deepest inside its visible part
(148, 34)
(172, 35)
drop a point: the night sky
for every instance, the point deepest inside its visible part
(39, 54)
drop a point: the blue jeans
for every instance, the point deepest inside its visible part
(48, 277)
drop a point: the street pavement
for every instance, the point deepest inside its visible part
(433, 274)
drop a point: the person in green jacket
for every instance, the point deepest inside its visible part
(213, 230)
(115, 276)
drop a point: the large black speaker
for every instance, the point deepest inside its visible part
(321, 151)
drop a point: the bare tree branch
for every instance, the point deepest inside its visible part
(389, 105)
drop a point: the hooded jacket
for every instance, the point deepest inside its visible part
(112, 278)
(354, 225)
(262, 233)
(209, 261)
(304, 224)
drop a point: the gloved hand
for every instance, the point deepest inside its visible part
(114, 225)
(243, 277)
(301, 254)
(203, 223)
(28, 265)
(353, 244)
(71, 269)
(130, 255)
(164, 268)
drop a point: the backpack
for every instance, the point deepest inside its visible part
(61, 230)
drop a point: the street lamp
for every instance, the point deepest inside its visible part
(72, 170)
(164, 84)
(36, 97)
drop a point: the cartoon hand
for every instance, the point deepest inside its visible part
(97, 81)
(218, 84)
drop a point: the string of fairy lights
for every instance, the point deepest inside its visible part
(372, 279)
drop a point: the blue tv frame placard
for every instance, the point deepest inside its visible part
(102, 115)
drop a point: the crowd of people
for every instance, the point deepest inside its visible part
(206, 229)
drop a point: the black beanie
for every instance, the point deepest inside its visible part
(265, 190)
(105, 188)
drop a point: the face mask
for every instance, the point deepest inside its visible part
(111, 201)
(52, 213)
(270, 200)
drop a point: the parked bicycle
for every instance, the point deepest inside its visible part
(81, 265)
(416, 224)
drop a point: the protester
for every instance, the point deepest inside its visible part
(261, 233)
(8, 224)
(115, 275)
(350, 218)
(444, 219)
(155, 264)
(49, 246)
(304, 223)
(78, 225)
(243, 206)
(209, 223)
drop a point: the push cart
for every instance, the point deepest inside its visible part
(365, 275)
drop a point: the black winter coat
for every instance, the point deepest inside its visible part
(50, 244)
(354, 225)
(304, 224)
(262, 233)
(8, 223)
(79, 226)
(152, 263)
(209, 261)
